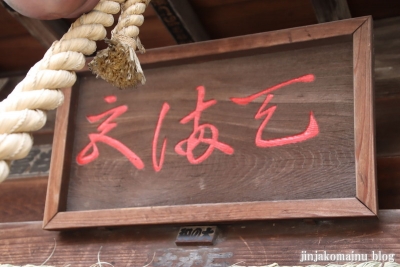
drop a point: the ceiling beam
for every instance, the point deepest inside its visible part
(45, 31)
(331, 10)
(181, 20)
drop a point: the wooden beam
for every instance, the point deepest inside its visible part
(45, 31)
(331, 10)
(181, 20)
(251, 244)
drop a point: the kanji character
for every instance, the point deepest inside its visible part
(312, 128)
(197, 136)
(85, 156)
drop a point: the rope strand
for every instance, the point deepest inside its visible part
(24, 110)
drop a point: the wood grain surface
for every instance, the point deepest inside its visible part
(22, 199)
(387, 68)
(325, 165)
(364, 124)
(56, 189)
(253, 244)
(210, 213)
(193, 52)
(228, 172)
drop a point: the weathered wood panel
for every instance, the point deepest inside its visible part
(22, 199)
(387, 36)
(229, 18)
(253, 244)
(244, 162)
(364, 106)
(326, 164)
(387, 69)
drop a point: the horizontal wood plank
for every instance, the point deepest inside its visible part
(252, 244)
(210, 213)
(262, 40)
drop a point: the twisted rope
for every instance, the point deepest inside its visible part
(24, 110)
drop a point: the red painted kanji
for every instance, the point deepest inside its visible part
(91, 152)
(158, 165)
(312, 128)
(198, 135)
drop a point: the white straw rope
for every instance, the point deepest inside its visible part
(23, 111)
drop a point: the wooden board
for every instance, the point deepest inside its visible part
(251, 243)
(387, 75)
(313, 157)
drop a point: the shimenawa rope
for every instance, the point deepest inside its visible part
(24, 110)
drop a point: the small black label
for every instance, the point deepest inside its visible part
(196, 235)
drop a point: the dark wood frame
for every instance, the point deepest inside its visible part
(363, 204)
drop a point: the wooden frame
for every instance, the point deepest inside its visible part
(364, 203)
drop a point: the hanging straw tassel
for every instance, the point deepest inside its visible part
(118, 64)
(24, 110)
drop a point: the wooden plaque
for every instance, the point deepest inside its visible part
(265, 126)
